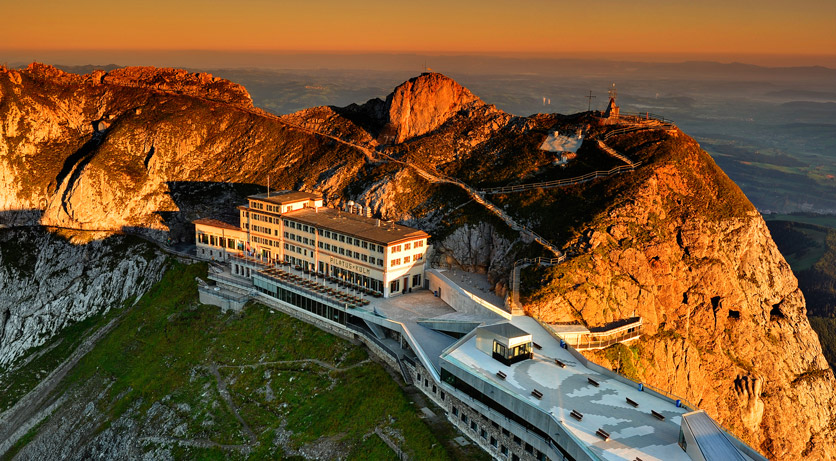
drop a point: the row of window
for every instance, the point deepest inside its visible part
(262, 229)
(406, 259)
(483, 433)
(351, 254)
(267, 219)
(407, 246)
(299, 238)
(296, 249)
(216, 241)
(264, 241)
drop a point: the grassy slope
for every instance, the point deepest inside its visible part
(163, 349)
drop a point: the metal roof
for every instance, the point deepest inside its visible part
(506, 330)
(712, 441)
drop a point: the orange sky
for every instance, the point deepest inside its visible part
(802, 27)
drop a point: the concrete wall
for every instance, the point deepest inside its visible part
(461, 300)
(224, 302)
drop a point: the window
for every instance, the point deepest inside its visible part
(407, 246)
(499, 348)
(473, 426)
(416, 280)
(419, 244)
(357, 242)
(506, 432)
(364, 258)
(418, 257)
(514, 457)
(529, 448)
(365, 244)
(342, 251)
(464, 418)
(328, 234)
(396, 248)
(406, 259)
(504, 450)
(356, 255)
(517, 440)
(483, 433)
(540, 456)
(395, 286)
(395, 262)
(342, 238)
(455, 411)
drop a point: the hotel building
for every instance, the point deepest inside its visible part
(295, 228)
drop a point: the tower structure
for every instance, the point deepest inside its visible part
(612, 108)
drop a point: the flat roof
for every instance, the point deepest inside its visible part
(506, 330)
(355, 225)
(285, 196)
(634, 432)
(711, 440)
(215, 223)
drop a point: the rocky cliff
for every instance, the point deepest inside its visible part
(725, 324)
(674, 241)
(49, 280)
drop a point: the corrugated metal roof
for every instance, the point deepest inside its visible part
(711, 440)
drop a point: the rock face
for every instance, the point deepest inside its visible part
(48, 282)
(422, 104)
(675, 241)
(725, 324)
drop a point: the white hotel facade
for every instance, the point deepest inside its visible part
(294, 227)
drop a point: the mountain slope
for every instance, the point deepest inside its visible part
(674, 241)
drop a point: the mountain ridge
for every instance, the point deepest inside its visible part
(660, 240)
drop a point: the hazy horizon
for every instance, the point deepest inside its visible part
(381, 61)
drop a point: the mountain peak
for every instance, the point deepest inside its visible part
(423, 103)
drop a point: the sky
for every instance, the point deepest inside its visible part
(803, 31)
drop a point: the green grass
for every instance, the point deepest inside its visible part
(163, 349)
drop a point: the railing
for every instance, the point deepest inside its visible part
(589, 344)
(308, 292)
(220, 294)
(618, 376)
(233, 279)
(647, 116)
(561, 182)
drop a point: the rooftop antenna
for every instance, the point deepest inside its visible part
(268, 186)
(590, 97)
(613, 93)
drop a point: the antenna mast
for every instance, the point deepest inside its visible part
(589, 106)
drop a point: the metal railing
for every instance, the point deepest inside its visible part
(561, 182)
(238, 298)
